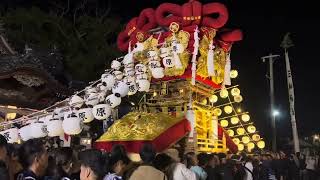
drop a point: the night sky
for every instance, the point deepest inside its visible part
(264, 24)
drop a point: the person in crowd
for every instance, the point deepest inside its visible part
(293, 167)
(177, 170)
(311, 163)
(34, 160)
(92, 165)
(146, 171)
(14, 165)
(3, 148)
(210, 168)
(116, 165)
(61, 164)
(4, 174)
(190, 159)
(198, 169)
(248, 167)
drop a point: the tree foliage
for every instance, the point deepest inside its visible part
(86, 37)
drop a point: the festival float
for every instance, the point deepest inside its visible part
(178, 57)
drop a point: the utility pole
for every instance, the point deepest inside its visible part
(271, 58)
(286, 44)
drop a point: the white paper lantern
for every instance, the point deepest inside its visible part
(115, 65)
(178, 48)
(101, 87)
(90, 90)
(132, 88)
(143, 85)
(108, 80)
(129, 79)
(25, 133)
(164, 52)
(12, 135)
(54, 127)
(151, 54)
(128, 61)
(138, 47)
(85, 114)
(101, 111)
(92, 99)
(72, 125)
(157, 72)
(102, 96)
(113, 101)
(38, 129)
(76, 101)
(140, 69)
(142, 76)
(118, 75)
(120, 88)
(129, 71)
(154, 64)
(168, 62)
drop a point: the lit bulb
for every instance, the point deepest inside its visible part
(213, 98)
(233, 73)
(154, 94)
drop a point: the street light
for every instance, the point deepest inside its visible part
(275, 113)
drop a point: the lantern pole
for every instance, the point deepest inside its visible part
(271, 59)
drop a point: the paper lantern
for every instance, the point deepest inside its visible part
(240, 147)
(204, 101)
(108, 80)
(152, 55)
(140, 69)
(132, 88)
(245, 117)
(230, 132)
(235, 91)
(251, 129)
(25, 133)
(38, 130)
(72, 125)
(54, 127)
(12, 135)
(102, 96)
(128, 71)
(76, 101)
(143, 85)
(234, 120)
(213, 99)
(58, 112)
(138, 47)
(236, 140)
(224, 93)
(233, 73)
(237, 98)
(129, 79)
(228, 109)
(224, 123)
(120, 88)
(113, 101)
(142, 76)
(261, 144)
(92, 99)
(118, 75)
(85, 114)
(164, 52)
(217, 111)
(256, 137)
(168, 62)
(240, 131)
(250, 146)
(101, 111)
(245, 139)
(157, 72)
(116, 65)
(154, 64)
(101, 87)
(90, 89)
(128, 60)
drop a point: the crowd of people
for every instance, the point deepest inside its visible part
(33, 161)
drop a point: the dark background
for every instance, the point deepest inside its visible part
(264, 24)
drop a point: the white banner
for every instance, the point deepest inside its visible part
(291, 102)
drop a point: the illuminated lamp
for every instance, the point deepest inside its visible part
(217, 111)
(256, 137)
(240, 131)
(240, 147)
(228, 109)
(245, 117)
(234, 120)
(236, 140)
(261, 144)
(235, 91)
(237, 98)
(245, 139)
(233, 74)
(251, 129)
(230, 132)
(224, 93)
(213, 98)
(224, 123)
